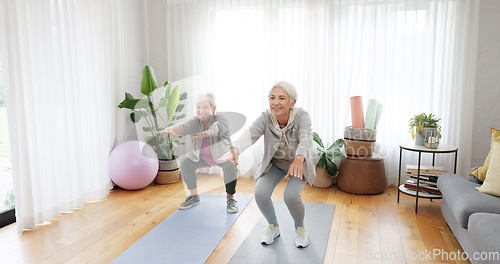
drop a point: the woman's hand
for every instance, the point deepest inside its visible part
(168, 131)
(232, 154)
(213, 130)
(295, 169)
(206, 133)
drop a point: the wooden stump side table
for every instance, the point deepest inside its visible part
(362, 175)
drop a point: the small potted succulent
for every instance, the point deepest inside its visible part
(420, 124)
(326, 169)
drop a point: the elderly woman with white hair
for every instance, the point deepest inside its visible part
(211, 139)
(288, 152)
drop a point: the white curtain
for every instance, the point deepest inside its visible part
(410, 55)
(63, 64)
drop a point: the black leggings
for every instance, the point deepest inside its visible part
(188, 173)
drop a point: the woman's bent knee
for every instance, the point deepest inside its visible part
(261, 194)
(292, 198)
(186, 163)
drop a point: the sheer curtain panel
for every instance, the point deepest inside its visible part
(63, 61)
(411, 55)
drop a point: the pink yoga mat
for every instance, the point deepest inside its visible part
(357, 112)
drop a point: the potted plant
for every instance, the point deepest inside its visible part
(421, 124)
(153, 115)
(326, 169)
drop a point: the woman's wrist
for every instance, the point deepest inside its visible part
(234, 151)
(300, 158)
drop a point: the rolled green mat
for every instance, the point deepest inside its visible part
(379, 113)
(371, 114)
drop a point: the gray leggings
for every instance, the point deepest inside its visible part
(264, 189)
(188, 173)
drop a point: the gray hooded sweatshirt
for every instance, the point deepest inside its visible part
(297, 135)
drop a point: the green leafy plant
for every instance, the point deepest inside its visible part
(171, 102)
(418, 122)
(328, 155)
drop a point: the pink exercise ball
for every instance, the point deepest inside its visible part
(133, 165)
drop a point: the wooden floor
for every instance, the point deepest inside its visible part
(365, 228)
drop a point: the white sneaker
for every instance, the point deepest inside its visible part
(301, 238)
(270, 234)
(232, 207)
(190, 201)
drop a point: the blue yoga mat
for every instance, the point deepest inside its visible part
(186, 236)
(318, 221)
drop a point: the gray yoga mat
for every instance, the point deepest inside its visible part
(318, 220)
(186, 236)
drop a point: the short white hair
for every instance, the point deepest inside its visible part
(289, 89)
(210, 97)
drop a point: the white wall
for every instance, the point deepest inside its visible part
(134, 34)
(144, 41)
(157, 39)
(487, 94)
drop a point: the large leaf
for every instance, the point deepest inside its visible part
(133, 104)
(334, 151)
(129, 96)
(183, 96)
(163, 103)
(129, 102)
(167, 89)
(337, 144)
(165, 150)
(317, 139)
(331, 168)
(133, 117)
(179, 108)
(180, 117)
(141, 114)
(337, 155)
(148, 129)
(137, 115)
(148, 84)
(173, 100)
(152, 141)
(322, 161)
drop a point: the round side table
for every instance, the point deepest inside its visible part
(442, 148)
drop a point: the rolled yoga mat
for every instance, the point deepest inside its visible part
(186, 236)
(357, 112)
(379, 113)
(318, 221)
(371, 114)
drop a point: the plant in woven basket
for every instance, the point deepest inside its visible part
(144, 108)
(418, 122)
(328, 155)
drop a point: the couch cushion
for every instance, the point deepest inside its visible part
(480, 172)
(474, 179)
(491, 183)
(484, 229)
(464, 200)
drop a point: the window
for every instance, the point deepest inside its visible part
(7, 215)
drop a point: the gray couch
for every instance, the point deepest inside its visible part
(474, 217)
